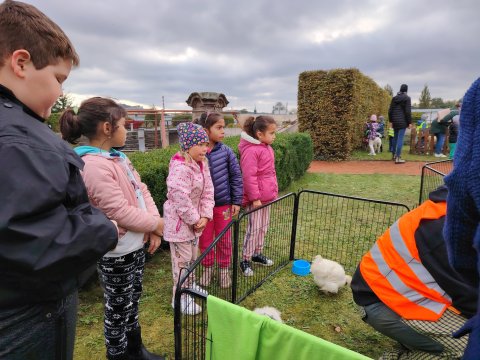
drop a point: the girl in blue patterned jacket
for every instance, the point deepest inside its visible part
(227, 182)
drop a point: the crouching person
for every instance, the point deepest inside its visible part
(408, 290)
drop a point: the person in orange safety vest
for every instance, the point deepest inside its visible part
(407, 290)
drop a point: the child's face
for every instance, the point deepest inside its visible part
(217, 132)
(43, 87)
(268, 136)
(120, 134)
(198, 152)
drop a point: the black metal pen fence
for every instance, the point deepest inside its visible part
(432, 177)
(341, 228)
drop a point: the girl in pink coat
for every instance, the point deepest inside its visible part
(189, 206)
(115, 187)
(257, 162)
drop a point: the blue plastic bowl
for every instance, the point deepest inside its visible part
(301, 267)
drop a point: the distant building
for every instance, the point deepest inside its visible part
(279, 109)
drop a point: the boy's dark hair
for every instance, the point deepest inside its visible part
(207, 120)
(23, 26)
(92, 112)
(260, 123)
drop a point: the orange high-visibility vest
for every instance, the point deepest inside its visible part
(393, 269)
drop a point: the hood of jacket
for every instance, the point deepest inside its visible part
(400, 97)
(247, 141)
(92, 150)
(439, 194)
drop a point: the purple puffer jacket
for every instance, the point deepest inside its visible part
(226, 175)
(257, 162)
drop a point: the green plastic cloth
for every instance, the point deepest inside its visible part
(240, 334)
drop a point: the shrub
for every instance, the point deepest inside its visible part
(333, 107)
(53, 121)
(293, 154)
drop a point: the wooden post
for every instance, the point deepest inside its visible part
(155, 135)
(413, 136)
(163, 130)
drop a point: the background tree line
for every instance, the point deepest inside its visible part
(426, 101)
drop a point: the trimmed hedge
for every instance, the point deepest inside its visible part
(293, 154)
(333, 107)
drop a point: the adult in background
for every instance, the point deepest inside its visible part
(408, 290)
(400, 115)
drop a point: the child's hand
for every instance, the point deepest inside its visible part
(256, 204)
(159, 230)
(235, 210)
(155, 242)
(200, 225)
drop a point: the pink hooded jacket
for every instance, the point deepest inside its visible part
(110, 189)
(257, 162)
(189, 198)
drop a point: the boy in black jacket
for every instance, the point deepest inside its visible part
(49, 233)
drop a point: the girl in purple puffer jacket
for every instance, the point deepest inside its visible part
(257, 162)
(228, 188)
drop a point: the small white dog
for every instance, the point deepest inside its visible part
(329, 275)
(269, 311)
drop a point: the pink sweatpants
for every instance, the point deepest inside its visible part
(183, 254)
(223, 250)
(257, 227)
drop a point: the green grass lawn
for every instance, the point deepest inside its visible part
(333, 318)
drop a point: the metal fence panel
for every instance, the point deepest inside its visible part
(432, 177)
(341, 228)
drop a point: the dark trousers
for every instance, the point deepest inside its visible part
(121, 279)
(39, 331)
(389, 323)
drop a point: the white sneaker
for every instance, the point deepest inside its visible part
(188, 305)
(440, 155)
(199, 289)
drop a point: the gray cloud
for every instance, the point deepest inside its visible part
(253, 51)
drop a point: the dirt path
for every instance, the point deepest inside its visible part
(366, 167)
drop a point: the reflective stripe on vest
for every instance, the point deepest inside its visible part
(393, 270)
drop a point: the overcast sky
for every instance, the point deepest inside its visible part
(254, 50)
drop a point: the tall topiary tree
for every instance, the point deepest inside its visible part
(333, 107)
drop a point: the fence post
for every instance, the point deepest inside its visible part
(236, 230)
(293, 237)
(163, 130)
(141, 139)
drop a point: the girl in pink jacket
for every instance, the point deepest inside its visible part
(189, 206)
(115, 187)
(257, 162)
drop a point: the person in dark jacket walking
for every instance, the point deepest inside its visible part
(228, 189)
(409, 292)
(400, 115)
(49, 233)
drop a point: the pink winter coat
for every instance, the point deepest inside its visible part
(257, 162)
(110, 189)
(189, 198)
